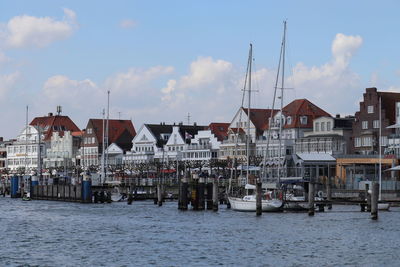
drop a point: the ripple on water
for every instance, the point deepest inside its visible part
(45, 233)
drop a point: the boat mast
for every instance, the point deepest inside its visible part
(102, 178)
(271, 122)
(26, 140)
(248, 115)
(380, 147)
(107, 125)
(282, 88)
(235, 152)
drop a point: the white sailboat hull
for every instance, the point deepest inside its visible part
(241, 204)
(383, 206)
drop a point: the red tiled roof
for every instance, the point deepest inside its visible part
(260, 117)
(302, 107)
(78, 133)
(115, 129)
(54, 123)
(219, 129)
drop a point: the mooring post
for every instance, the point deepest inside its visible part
(159, 194)
(200, 190)
(258, 199)
(311, 199)
(374, 201)
(368, 195)
(184, 196)
(210, 188)
(215, 193)
(329, 193)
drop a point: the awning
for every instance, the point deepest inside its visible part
(308, 157)
(396, 168)
(394, 126)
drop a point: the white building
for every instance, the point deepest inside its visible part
(204, 146)
(23, 153)
(62, 151)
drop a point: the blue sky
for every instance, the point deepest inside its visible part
(163, 59)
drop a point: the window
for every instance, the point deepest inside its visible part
(370, 109)
(357, 142)
(376, 124)
(89, 130)
(366, 141)
(322, 126)
(364, 125)
(328, 126)
(317, 126)
(303, 119)
(289, 120)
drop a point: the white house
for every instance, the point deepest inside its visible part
(23, 153)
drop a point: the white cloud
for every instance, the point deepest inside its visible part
(127, 23)
(136, 81)
(30, 31)
(7, 82)
(332, 86)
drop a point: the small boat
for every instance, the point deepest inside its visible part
(383, 206)
(116, 195)
(297, 203)
(248, 203)
(26, 197)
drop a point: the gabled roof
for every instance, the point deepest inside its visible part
(260, 117)
(302, 107)
(116, 128)
(219, 129)
(54, 123)
(158, 129)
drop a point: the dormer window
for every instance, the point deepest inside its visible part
(303, 119)
(289, 120)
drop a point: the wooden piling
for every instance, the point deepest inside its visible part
(368, 195)
(311, 198)
(215, 194)
(329, 193)
(209, 201)
(374, 201)
(200, 191)
(258, 199)
(159, 195)
(184, 195)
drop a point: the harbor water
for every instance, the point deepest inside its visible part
(50, 233)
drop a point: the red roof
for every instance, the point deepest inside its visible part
(260, 117)
(116, 128)
(303, 107)
(219, 129)
(54, 123)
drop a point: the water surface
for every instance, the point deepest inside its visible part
(50, 233)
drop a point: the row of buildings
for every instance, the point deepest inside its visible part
(304, 140)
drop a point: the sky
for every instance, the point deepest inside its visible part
(162, 60)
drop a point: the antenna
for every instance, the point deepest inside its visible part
(188, 118)
(59, 110)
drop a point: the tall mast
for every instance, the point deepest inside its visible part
(271, 122)
(238, 125)
(248, 114)
(26, 140)
(107, 125)
(380, 147)
(103, 149)
(282, 88)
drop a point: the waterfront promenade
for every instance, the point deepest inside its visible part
(49, 233)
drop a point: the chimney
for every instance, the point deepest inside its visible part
(50, 114)
(337, 116)
(1, 139)
(195, 124)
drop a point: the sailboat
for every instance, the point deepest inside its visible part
(248, 202)
(381, 206)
